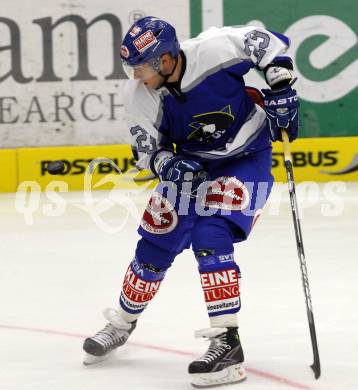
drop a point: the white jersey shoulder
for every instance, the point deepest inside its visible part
(218, 48)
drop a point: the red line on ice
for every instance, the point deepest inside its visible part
(254, 371)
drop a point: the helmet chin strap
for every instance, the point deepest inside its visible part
(166, 76)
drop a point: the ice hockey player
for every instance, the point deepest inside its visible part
(207, 136)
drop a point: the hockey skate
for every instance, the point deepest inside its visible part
(221, 364)
(112, 336)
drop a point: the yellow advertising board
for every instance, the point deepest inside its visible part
(319, 159)
(105, 160)
(314, 159)
(8, 170)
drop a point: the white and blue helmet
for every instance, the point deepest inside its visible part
(146, 41)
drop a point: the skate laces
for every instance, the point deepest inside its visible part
(115, 332)
(218, 343)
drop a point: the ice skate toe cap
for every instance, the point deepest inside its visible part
(92, 347)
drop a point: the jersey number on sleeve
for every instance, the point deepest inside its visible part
(256, 42)
(146, 143)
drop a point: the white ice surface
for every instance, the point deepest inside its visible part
(59, 273)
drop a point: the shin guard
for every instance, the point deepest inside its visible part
(220, 276)
(141, 283)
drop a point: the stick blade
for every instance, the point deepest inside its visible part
(316, 367)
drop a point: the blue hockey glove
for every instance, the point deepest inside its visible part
(178, 170)
(282, 112)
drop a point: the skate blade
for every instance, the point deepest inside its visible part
(89, 359)
(231, 374)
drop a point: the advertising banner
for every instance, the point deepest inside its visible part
(8, 170)
(314, 159)
(61, 78)
(107, 162)
(62, 81)
(319, 159)
(324, 48)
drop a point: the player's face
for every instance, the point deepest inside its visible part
(139, 72)
(167, 64)
(154, 82)
(145, 72)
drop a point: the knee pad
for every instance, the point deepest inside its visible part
(153, 256)
(208, 261)
(213, 234)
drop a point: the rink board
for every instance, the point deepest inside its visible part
(107, 160)
(319, 159)
(314, 159)
(8, 170)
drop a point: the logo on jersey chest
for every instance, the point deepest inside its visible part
(210, 126)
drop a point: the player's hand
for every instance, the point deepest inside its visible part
(179, 170)
(282, 112)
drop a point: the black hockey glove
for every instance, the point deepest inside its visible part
(179, 170)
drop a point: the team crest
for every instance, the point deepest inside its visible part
(211, 125)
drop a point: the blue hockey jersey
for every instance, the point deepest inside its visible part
(213, 118)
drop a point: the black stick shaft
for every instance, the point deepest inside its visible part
(316, 366)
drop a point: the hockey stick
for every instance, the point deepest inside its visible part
(316, 366)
